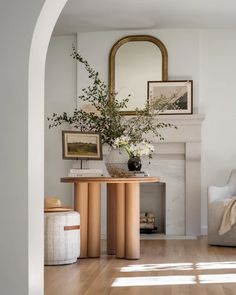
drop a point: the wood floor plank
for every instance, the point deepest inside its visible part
(166, 267)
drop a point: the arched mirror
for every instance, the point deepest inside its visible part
(133, 61)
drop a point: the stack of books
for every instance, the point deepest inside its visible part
(85, 172)
(141, 173)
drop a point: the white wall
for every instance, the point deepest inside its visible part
(60, 96)
(217, 100)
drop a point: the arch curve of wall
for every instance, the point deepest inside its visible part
(37, 59)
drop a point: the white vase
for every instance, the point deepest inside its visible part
(116, 163)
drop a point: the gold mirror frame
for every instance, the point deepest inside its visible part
(132, 38)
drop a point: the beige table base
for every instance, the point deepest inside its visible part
(123, 238)
(122, 219)
(122, 214)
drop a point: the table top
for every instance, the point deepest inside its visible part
(107, 179)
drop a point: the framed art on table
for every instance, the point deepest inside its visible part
(81, 145)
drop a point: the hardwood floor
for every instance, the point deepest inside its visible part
(166, 267)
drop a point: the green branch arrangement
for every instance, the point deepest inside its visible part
(104, 114)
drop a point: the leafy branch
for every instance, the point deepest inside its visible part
(104, 112)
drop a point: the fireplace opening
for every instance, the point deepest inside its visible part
(153, 208)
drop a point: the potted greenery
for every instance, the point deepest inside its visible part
(102, 113)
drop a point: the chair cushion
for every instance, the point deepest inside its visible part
(215, 214)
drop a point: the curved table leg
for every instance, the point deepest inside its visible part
(87, 201)
(81, 206)
(120, 220)
(94, 219)
(132, 235)
(123, 205)
(111, 218)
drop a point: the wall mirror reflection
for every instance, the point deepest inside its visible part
(133, 61)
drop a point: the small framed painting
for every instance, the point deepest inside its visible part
(171, 97)
(81, 145)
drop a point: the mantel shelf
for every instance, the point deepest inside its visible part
(193, 119)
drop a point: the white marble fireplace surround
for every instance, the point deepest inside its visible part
(177, 161)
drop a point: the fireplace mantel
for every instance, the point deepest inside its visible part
(185, 142)
(189, 128)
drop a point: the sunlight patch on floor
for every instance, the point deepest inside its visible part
(217, 278)
(154, 281)
(179, 266)
(176, 279)
(157, 267)
(173, 280)
(216, 265)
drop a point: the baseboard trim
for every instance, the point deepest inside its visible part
(165, 237)
(159, 237)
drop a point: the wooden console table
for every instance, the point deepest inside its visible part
(123, 206)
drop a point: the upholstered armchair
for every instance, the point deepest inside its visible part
(217, 199)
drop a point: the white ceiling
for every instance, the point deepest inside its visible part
(102, 15)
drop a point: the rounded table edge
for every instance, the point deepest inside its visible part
(110, 179)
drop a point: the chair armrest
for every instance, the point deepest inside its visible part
(216, 192)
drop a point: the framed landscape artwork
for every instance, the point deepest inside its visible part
(81, 145)
(171, 97)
